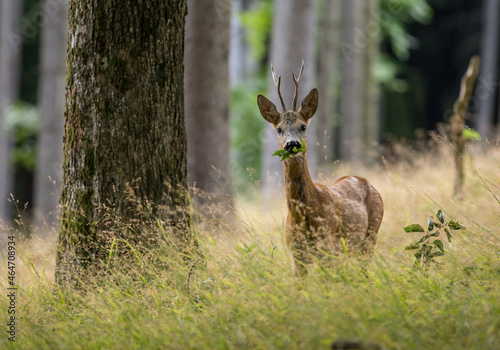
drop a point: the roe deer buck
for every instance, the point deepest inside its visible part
(319, 217)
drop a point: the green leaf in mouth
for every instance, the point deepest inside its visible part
(284, 154)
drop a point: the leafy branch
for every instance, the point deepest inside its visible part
(284, 154)
(428, 247)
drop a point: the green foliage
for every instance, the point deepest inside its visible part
(426, 250)
(386, 71)
(393, 18)
(22, 121)
(395, 15)
(284, 154)
(246, 136)
(258, 22)
(471, 135)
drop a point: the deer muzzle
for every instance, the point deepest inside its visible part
(290, 145)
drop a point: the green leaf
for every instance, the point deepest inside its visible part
(448, 234)
(454, 225)
(412, 246)
(430, 226)
(284, 154)
(303, 146)
(414, 228)
(440, 216)
(471, 135)
(438, 244)
(436, 254)
(428, 251)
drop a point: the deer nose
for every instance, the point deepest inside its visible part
(291, 144)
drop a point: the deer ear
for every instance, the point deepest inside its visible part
(309, 104)
(268, 110)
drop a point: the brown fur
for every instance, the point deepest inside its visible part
(319, 217)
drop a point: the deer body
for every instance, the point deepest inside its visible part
(319, 217)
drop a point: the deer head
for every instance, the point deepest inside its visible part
(290, 125)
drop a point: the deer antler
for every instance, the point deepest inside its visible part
(297, 86)
(277, 82)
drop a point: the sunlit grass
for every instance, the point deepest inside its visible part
(243, 294)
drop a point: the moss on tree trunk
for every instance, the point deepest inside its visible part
(124, 123)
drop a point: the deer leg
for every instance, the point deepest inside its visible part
(375, 214)
(301, 255)
(368, 245)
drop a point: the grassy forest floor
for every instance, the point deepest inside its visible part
(244, 294)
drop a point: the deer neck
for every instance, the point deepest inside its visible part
(298, 183)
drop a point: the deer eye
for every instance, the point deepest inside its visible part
(279, 130)
(303, 128)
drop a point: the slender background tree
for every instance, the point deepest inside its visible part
(207, 98)
(354, 73)
(124, 137)
(10, 59)
(489, 67)
(329, 80)
(371, 122)
(48, 174)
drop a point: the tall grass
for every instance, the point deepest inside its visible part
(242, 293)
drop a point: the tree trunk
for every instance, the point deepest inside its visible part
(207, 98)
(10, 59)
(124, 132)
(48, 174)
(372, 95)
(328, 78)
(457, 121)
(293, 33)
(353, 96)
(489, 57)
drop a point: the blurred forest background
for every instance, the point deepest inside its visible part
(387, 71)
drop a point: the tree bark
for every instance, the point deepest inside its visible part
(293, 33)
(328, 79)
(51, 88)
(207, 99)
(10, 59)
(489, 57)
(124, 133)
